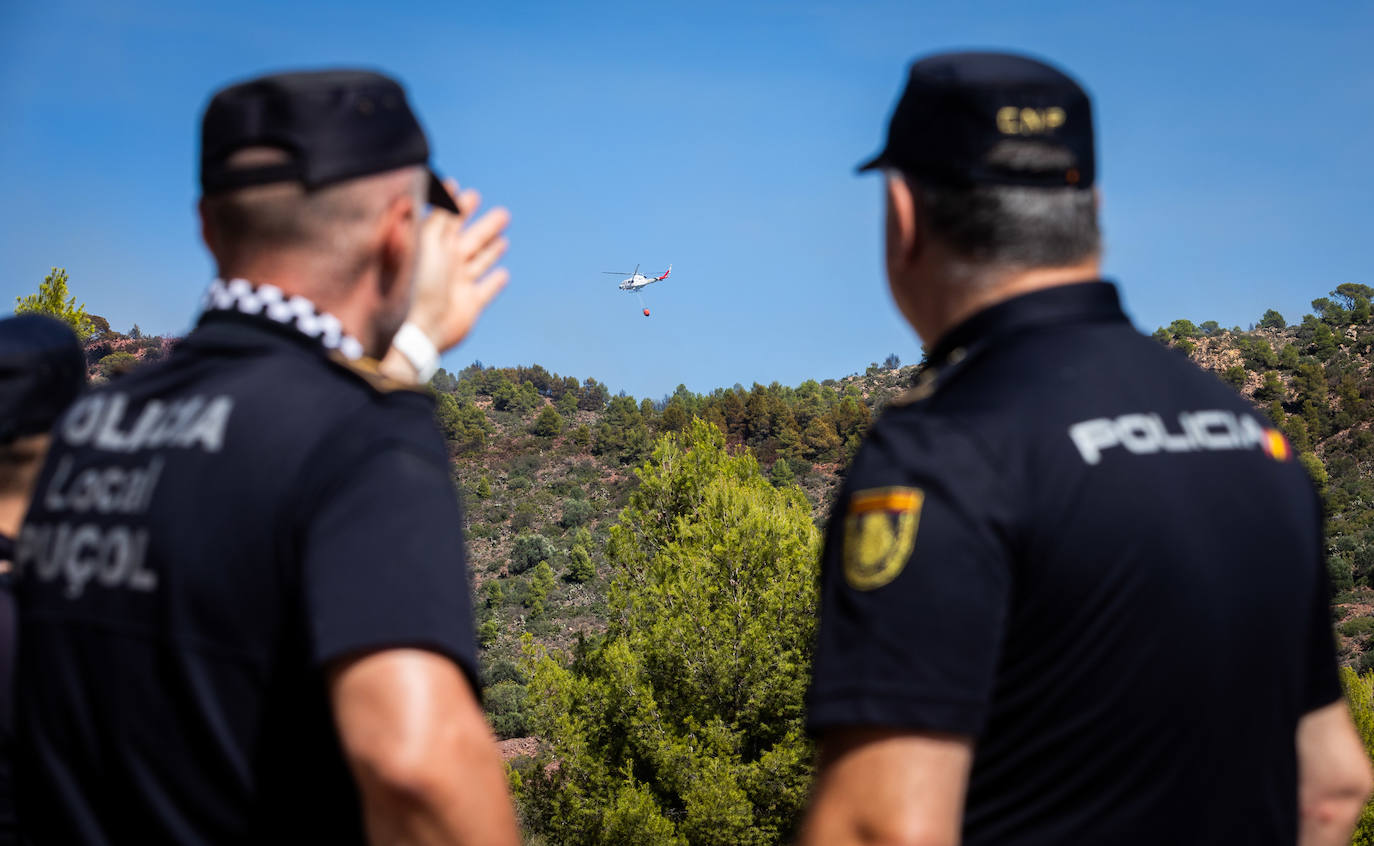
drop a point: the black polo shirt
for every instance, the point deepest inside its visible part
(208, 535)
(1076, 547)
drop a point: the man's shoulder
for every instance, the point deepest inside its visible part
(920, 443)
(292, 384)
(1043, 375)
(267, 400)
(1027, 397)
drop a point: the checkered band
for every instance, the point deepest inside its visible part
(294, 311)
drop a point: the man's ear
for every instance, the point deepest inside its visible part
(903, 229)
(207, 234)
(398, 233)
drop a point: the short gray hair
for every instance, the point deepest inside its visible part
(1011, 226)
(285, 215)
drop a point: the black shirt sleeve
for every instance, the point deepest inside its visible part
(914, 588)
(383, 563)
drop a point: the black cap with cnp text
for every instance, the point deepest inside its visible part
(42, 369)
(979, 119)
(334, 125)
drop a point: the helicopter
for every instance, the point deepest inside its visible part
(635, 281)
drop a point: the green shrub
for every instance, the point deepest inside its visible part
(488, 632)
(1270, 389)
(548, 424)
(505, 707)
(1365, 665)
(540, 584)
(482, 531)
(116, 363)
(1181, 329)
(575, 513)
(503, 670)
(524, 517)
(528, 550)
(580, 566)
(582, 436)
(1339, 573)
(1357, 627)
(566, 487)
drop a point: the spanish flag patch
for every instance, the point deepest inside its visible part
(879, 532)
(1275, 445)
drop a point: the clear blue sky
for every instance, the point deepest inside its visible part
(1233, 139)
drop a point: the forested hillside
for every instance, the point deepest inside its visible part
(545, 462)
(623, 650)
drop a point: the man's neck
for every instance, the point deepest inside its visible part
(954, 303)
(305, 280)
(12, 508)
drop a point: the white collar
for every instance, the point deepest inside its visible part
(295, 311)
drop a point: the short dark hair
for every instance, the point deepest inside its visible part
(1012, 225)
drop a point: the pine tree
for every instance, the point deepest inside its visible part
(528, 550)
(1272, 320)
(548, 424)
(683, 724)
(781, 475)
(674, 418)
(580, 566)
(52, 298)
(567, 404)
(541, 582)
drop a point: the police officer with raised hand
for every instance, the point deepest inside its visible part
(244, 602)
(1074, 587)
(42, 369)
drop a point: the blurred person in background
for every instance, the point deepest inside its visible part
(42, 370)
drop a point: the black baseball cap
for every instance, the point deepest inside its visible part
(959, 110)
(42, 369)
(334, 124)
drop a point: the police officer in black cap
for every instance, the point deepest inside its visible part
(1074, 587)
(42, 369)
(244, 604)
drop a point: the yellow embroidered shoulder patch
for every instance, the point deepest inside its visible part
(879, 532)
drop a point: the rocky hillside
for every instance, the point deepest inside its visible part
(544, 462)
